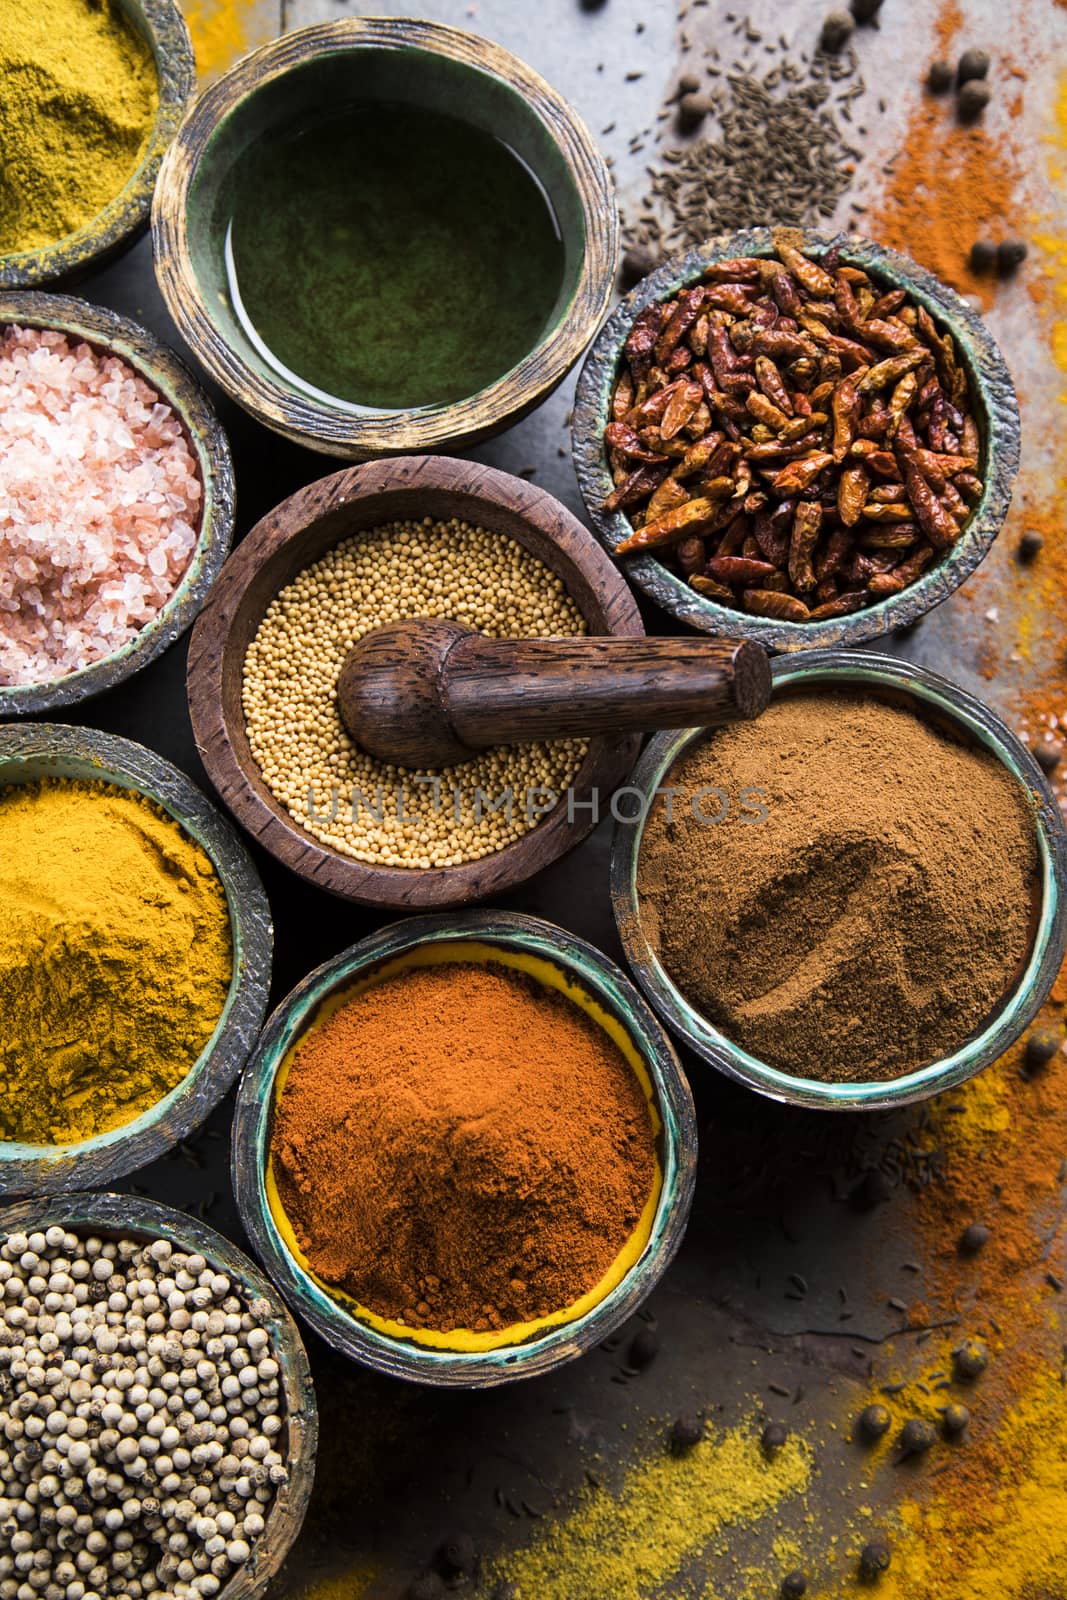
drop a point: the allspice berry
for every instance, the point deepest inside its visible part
(972, 64)
(456, 1557)
(865, 10)
(939, 78)
(686, 1433)
(774, 1436)
(688, 83)
(983, 256)
(644, 1348)
(1030, 545)
(972, 99)
(974, 1237)
(1011, 253)
(794, 1585)
(637, 262)
(692, 109)
(1041, 1047)
(955, 1419)
(875, 1558)
(969, 1360)
(917, 1436)
(837, 30)
(873, 1423)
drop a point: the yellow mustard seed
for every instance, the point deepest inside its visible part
(367, 809)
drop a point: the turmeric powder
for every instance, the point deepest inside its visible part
(79, 102)
(115, 958)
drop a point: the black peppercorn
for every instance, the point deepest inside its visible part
(686, 1432)
(644, 1348)
(954, 1419)
(972, 64)
(837, 30)
(969, 1360)
(688, 83)
(875, 1558)
(865, 10)
(974, 1236)
(692, 109)
(794, 1585)
(873, 1423)
(917, 1436)
(1030, 545)
(972, 99)
(1040, 1048)
(871, 1190)
(456, 1557)
(773, 1437)
(983, 256)
(1011, 253)
(637, 262)
(939, 78)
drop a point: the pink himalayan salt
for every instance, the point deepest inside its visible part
(99, 505)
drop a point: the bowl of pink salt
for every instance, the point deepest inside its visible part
(116, 500)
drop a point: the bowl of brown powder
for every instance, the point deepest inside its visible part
(464, 1149)
(860, 906)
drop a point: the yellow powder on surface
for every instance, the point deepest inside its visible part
(627, 1543)
(224, 30)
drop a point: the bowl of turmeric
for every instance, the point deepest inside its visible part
(464, 1149)
(94, 91)
(135, 957)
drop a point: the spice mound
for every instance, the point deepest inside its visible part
(142, 1416)
(335, 791)
(797, 440)
(115, 958)
(100, 504)
(80, 98)
(876, 916)
(461, 1147)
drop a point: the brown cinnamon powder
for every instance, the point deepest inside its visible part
(877, 915)
(462, 1147)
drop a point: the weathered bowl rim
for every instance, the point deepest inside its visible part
(124, 1214)
(995, 402)
(843, 670)
(592, 971)
(125, 216)
(160, 367)
(376, 433)
(59, 750)
(427, 479)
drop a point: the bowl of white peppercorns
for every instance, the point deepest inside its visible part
(157, 1416)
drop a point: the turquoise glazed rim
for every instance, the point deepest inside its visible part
(123, 219)
(677, 1143)
(941, 702)
(49, 750)
(996, 412)
(174, 383)
(123, 1215)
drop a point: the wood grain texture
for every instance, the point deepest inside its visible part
(427, 693)
(299, 531)
(367, 434)
(125, 218)
(996, 411)
(114, 335)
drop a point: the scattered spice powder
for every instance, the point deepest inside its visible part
(100, 504)
(115, 958)
(889, 853)
(462, 1147)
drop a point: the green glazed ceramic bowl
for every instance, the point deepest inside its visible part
(946, 705)
(48, 750)
(123, 219)
(996, 412)
(173, 382)
(123, 1216)
(367, 61)
(520, 941)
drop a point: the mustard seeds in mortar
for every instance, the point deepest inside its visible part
(875, 917)
(350, 802)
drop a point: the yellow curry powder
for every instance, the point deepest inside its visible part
(79, 101)
(115, 958)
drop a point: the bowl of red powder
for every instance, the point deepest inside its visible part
(464, 1149)
(116, 500)
(861, 907)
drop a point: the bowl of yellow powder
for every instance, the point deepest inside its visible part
(135, 957)
(94, 91)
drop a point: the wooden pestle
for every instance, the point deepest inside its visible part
(430, 693)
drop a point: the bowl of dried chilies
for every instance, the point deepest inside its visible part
(804, 440)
